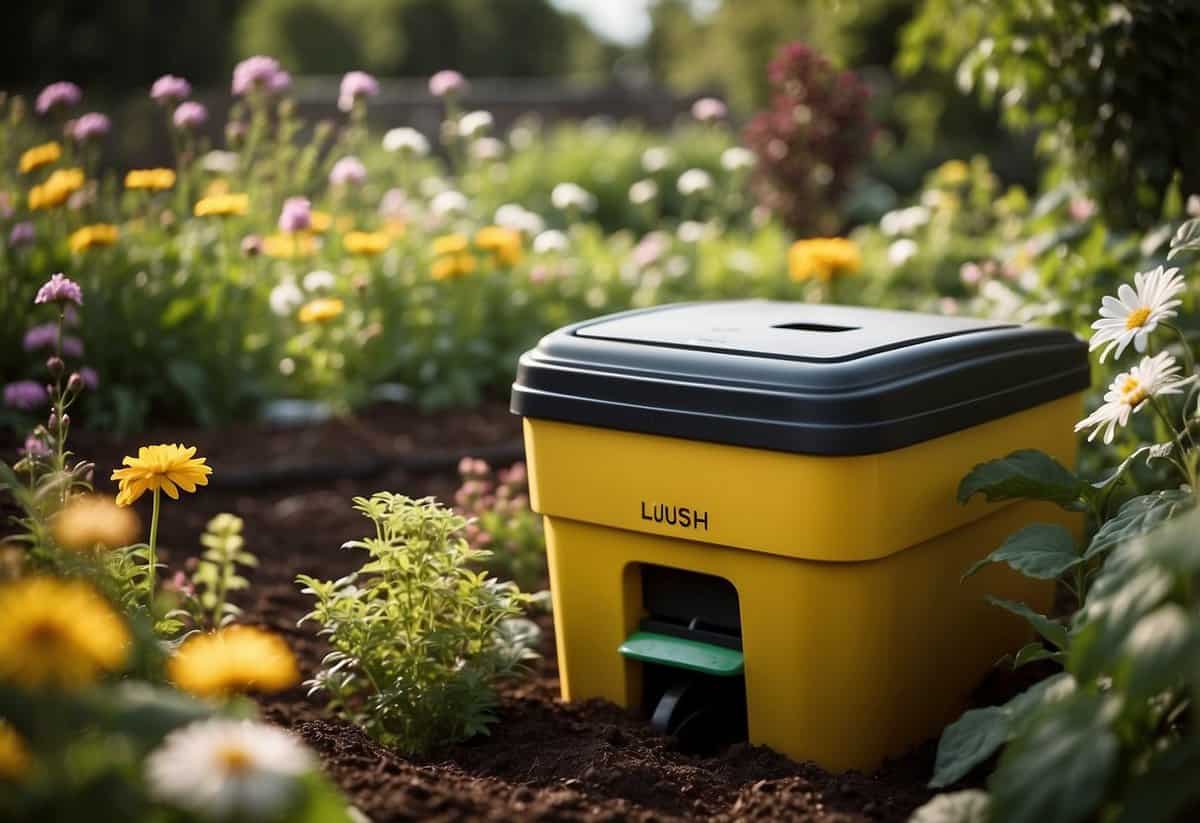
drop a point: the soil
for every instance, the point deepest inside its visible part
(544, 759)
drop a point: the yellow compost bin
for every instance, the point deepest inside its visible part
(751, 518)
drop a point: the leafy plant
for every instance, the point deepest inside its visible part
(500, 521)
(419, 638)
(216, 574)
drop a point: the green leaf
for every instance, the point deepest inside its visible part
(1187, 238)
(1138, 516)
(1032, 653)
(1167, 788)
(1155, 451)
(1027, 474)
(1059, 768)
(1043, 551)
(967, 806)
(1053, 631)
(1159, 651)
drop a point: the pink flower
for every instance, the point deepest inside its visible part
(27, 395)
(1081, 208)
(58, 94)
(59, 289)
(22, 234)
(90, 126)
(281, 82)
(447, 83)
(90, 377)
(971, 274)
(256, 73)
(170, 89)
(296, 214)
(35, 447)
(709, 109)
(189, 115)
(356, 85)
(348, 171)
(42, 336)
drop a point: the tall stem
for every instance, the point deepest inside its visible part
(152, 558)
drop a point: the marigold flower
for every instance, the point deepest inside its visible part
(320, 221)
(90, 521)
(233, 660)
(96, 235)
(504, 244)
(452, 266)
(287, 246)
(57, 188)
(222, 205)
(150, 179)
(15, 760)
(59, 289)
(168, 467)
(321, 310)
(58, 634)
(39, 156)
(449, 244)
(366, 243)
(823, 258)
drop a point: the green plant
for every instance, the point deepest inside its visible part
(216, 574)
(501, 522)
(419, 638)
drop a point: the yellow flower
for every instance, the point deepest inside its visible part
(90, 520)
(451, 266)
(952, 172)
(504, 244)
(287, 246)
(60, 185)
(366, 242)
(449, 244)
(222, 205)
(150, 179)
(395, 228)
(233, 660)
(823, 258)
(39, 156)
(319, 221)
(164, 467)
(217, 187)
(58, 633)
(99, 234)
(15, 760)
(321, 310)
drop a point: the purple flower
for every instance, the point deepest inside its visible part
(189, 115)
(60, 289)
(708, 109)
(43, 336)
(170, 89)
(22, 234)
(91, 379)
(72, 346)
(446, 83)
(57, 94)
(27, 395)
(35, 447)
(296, 214)
(256, 72)
(280, 82)
(348, 171)
(89, 126)
(356, 84)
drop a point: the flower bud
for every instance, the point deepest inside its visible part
(55, 365)
(75, 383)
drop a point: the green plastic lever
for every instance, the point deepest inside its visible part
(681, 653)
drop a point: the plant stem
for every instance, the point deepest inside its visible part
(152, 559)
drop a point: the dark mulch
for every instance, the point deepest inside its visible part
(544, 760)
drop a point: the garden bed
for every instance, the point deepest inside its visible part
(544, 759)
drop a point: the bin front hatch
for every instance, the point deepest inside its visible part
(681, 653)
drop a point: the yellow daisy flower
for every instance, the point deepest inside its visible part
(39, 156)
(287, 246)
(168, 467)
(89, 521)
(97, 235)
(222, 205)
(233, 660)
(150, 179)
(60, 185)
(15, 760)
(321, 310)
(367, 243)
(319, 221)
(58, 634)
(449, 244)
(823, 258)
(504, 244)
(451, 266)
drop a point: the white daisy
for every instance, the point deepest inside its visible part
(694, 181)
(551, 241)
(408, 140)
(226, 769)
(1130, 391)
(567, 196)
(642, 192)
(736, 158)
(449, 202)
(474, 123)
(1135, 313)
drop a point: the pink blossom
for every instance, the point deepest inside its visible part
(35, 447)
(255, 73)
(348, 171)
(42, 336)
(26, 395)
(189, 115)
(59, 289)
(296, 214)
(170, 89)
(447, 83)
(22, 234)
(971, 274)
(709, 109)
(356, 85)
(90, 377)
(1081, 208)
(62, 93)
(90, 126)
(281, 82)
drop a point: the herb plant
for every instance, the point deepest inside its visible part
(420, 639)
(216, 574)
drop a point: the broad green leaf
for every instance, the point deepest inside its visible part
(1138, 516)
(1059, 767)
(1160, 650)
(967, 806)
(1122, 594)
(1043, 551)
(1053, 631)
(1026, 474)
(1167, 788)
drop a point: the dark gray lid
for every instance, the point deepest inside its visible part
(795, 377)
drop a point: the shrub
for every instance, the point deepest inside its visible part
(419, 638)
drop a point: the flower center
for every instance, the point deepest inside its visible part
(1132, 391)
(1137, 318)
(234, 760)
(44, 633)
